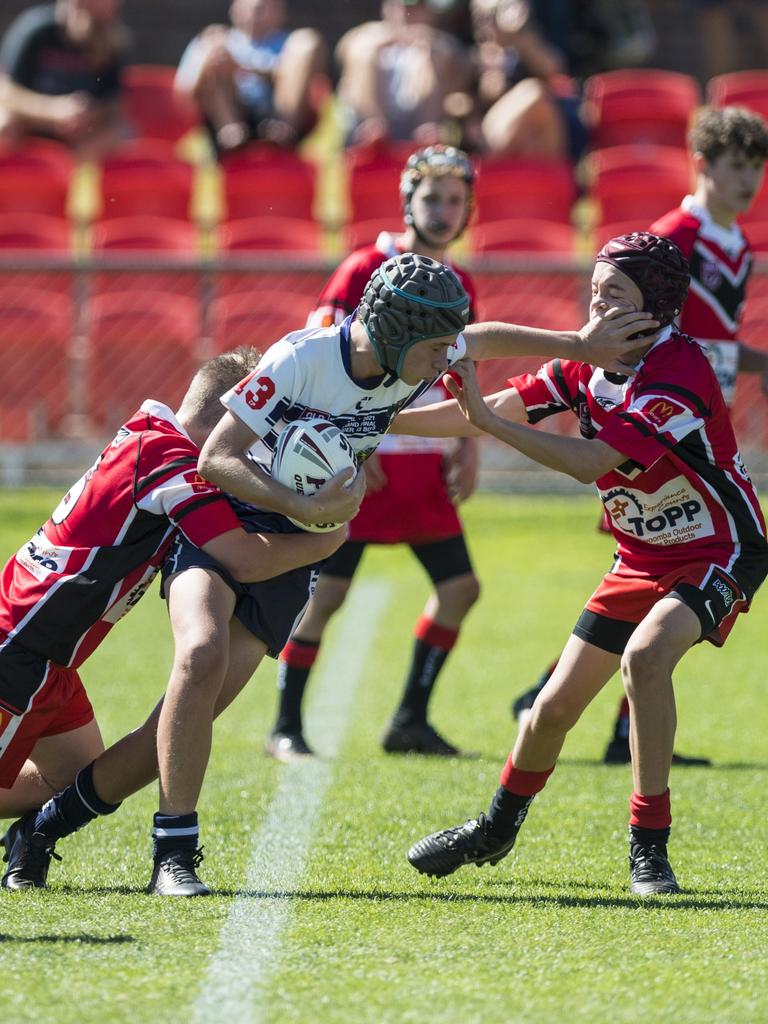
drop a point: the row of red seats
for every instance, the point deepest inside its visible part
(132, 349)
(630, 182)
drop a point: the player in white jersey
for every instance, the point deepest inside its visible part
(82, 571)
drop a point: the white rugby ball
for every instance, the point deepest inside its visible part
(307, 454)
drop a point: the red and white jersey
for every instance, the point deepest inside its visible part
(341, 296)
(683, 494)
(90, 563)
(721, 261)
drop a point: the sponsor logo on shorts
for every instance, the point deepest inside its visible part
(724, 590)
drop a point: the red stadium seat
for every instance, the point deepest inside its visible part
(373, 179)
(638, 183)
(150, 238)
(284, 234)
(534, 236)
(36, 329)
(740, 89)
(757, 233)
(152, 106)
(639, 105)
(145, 178)
(37, 231)
(137, 350)
(510, 188)
(257, 316)
(264, 180)
(35, 178)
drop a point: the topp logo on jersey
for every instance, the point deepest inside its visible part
(672, 515)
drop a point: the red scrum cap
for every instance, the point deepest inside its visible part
(657, 267)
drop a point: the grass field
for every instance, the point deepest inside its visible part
(318, 916)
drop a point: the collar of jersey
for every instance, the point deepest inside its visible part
(730, 239)
(345, 345)
(665, 335)
(162, 412)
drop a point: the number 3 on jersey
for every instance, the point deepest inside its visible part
(259, 393)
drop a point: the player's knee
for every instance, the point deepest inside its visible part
(202, 662)
(640, 668)
(555, 713)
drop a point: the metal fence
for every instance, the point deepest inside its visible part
(83, 343)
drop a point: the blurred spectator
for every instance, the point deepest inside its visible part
(253, 79)
(607, 35)
(398, 73)
(732, 35)
(60, 75)
(526, 103)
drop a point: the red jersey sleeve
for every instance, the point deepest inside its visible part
(553, 389)
(167, 483)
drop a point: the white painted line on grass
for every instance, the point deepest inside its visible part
(250, 944)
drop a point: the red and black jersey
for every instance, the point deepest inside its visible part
(720, 260)
(93, 559)
(683, 493)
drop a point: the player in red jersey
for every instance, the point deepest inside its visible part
(729, 147)
(413, 484)
(691, 547)
(85, 568)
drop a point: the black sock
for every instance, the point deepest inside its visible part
(658, 837)
(426, 663)
(72, 808)
(292, 681)
(507, 813)
(174, 832)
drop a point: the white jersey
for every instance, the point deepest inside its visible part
(308, 373)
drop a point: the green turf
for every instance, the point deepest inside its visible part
(548, 935)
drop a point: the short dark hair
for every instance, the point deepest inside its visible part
(715, 130)
(216, 377)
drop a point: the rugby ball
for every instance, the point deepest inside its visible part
(307, 454)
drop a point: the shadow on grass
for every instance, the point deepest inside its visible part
(84, 939)
(687, 901)
(733, 766)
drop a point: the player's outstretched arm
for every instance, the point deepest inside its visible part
(446, 419)
(584, 460)
(224, 461)
(252, 557)
(606, 341)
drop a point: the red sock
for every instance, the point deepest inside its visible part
(521, 783)
(624, 708)
(300, 653)
(650, 811)
(433, 635)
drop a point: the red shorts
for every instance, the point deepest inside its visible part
(413, 507)
(624, 598)
(60, 704)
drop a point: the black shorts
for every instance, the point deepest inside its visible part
(442, 559)
(270, 609)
